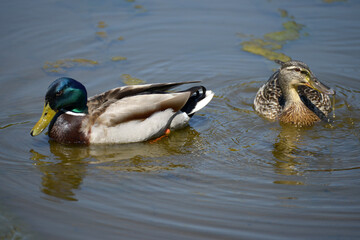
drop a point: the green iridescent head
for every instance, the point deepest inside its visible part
(64, 94)
(67, 94)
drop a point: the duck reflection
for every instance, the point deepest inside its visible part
(285, 149)
(286, 154)
(62, 173)
(67, 165)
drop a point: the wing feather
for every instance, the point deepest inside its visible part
(268, 101)
(140, 107)
(99, 104)
(97, 101)
(316, 101)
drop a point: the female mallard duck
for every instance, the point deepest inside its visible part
(121, 115)
(294, 95)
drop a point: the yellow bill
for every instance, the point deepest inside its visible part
(45, 119)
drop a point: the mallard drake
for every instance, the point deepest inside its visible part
(294, 95)
(121, 115)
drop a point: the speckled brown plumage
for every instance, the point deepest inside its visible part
(298, 115)
(270, 102)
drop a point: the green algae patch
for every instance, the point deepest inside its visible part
(233, 149)
(293, 26)
(140, 8)
(262, 50)
(101, 34)
(84, 61)
(260, 43)
(274, 41)
(291, 32)
(118, 58)
(61, 66)
(283, 13)
(129, 80)
(102, 24)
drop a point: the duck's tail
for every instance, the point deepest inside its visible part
(200, 97)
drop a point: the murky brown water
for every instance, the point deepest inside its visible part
(230, 174)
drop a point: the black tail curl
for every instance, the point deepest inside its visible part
(197, 94)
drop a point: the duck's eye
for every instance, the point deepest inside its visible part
(297, 69)
(59, 93)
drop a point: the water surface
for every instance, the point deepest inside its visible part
(231, 174)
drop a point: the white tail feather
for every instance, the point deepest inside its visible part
(203, 102)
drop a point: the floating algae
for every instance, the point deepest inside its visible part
(60, 66)
(283, 13)
(84, 61)
(273, 41)
(101, 34)
(140, 8)
(118, 58)
(102, 24)
(291, 32)
(129, 80)
(260, 43)
(254, 46)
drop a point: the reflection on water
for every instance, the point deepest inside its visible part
(64, 171)
(238, 179)
(9, 229)
(285, 153)
(291, 152)
(284, 150)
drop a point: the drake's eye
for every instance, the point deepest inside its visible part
(59, 93)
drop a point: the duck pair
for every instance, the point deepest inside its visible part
(144, 112)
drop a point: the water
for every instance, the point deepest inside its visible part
(230, 174)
